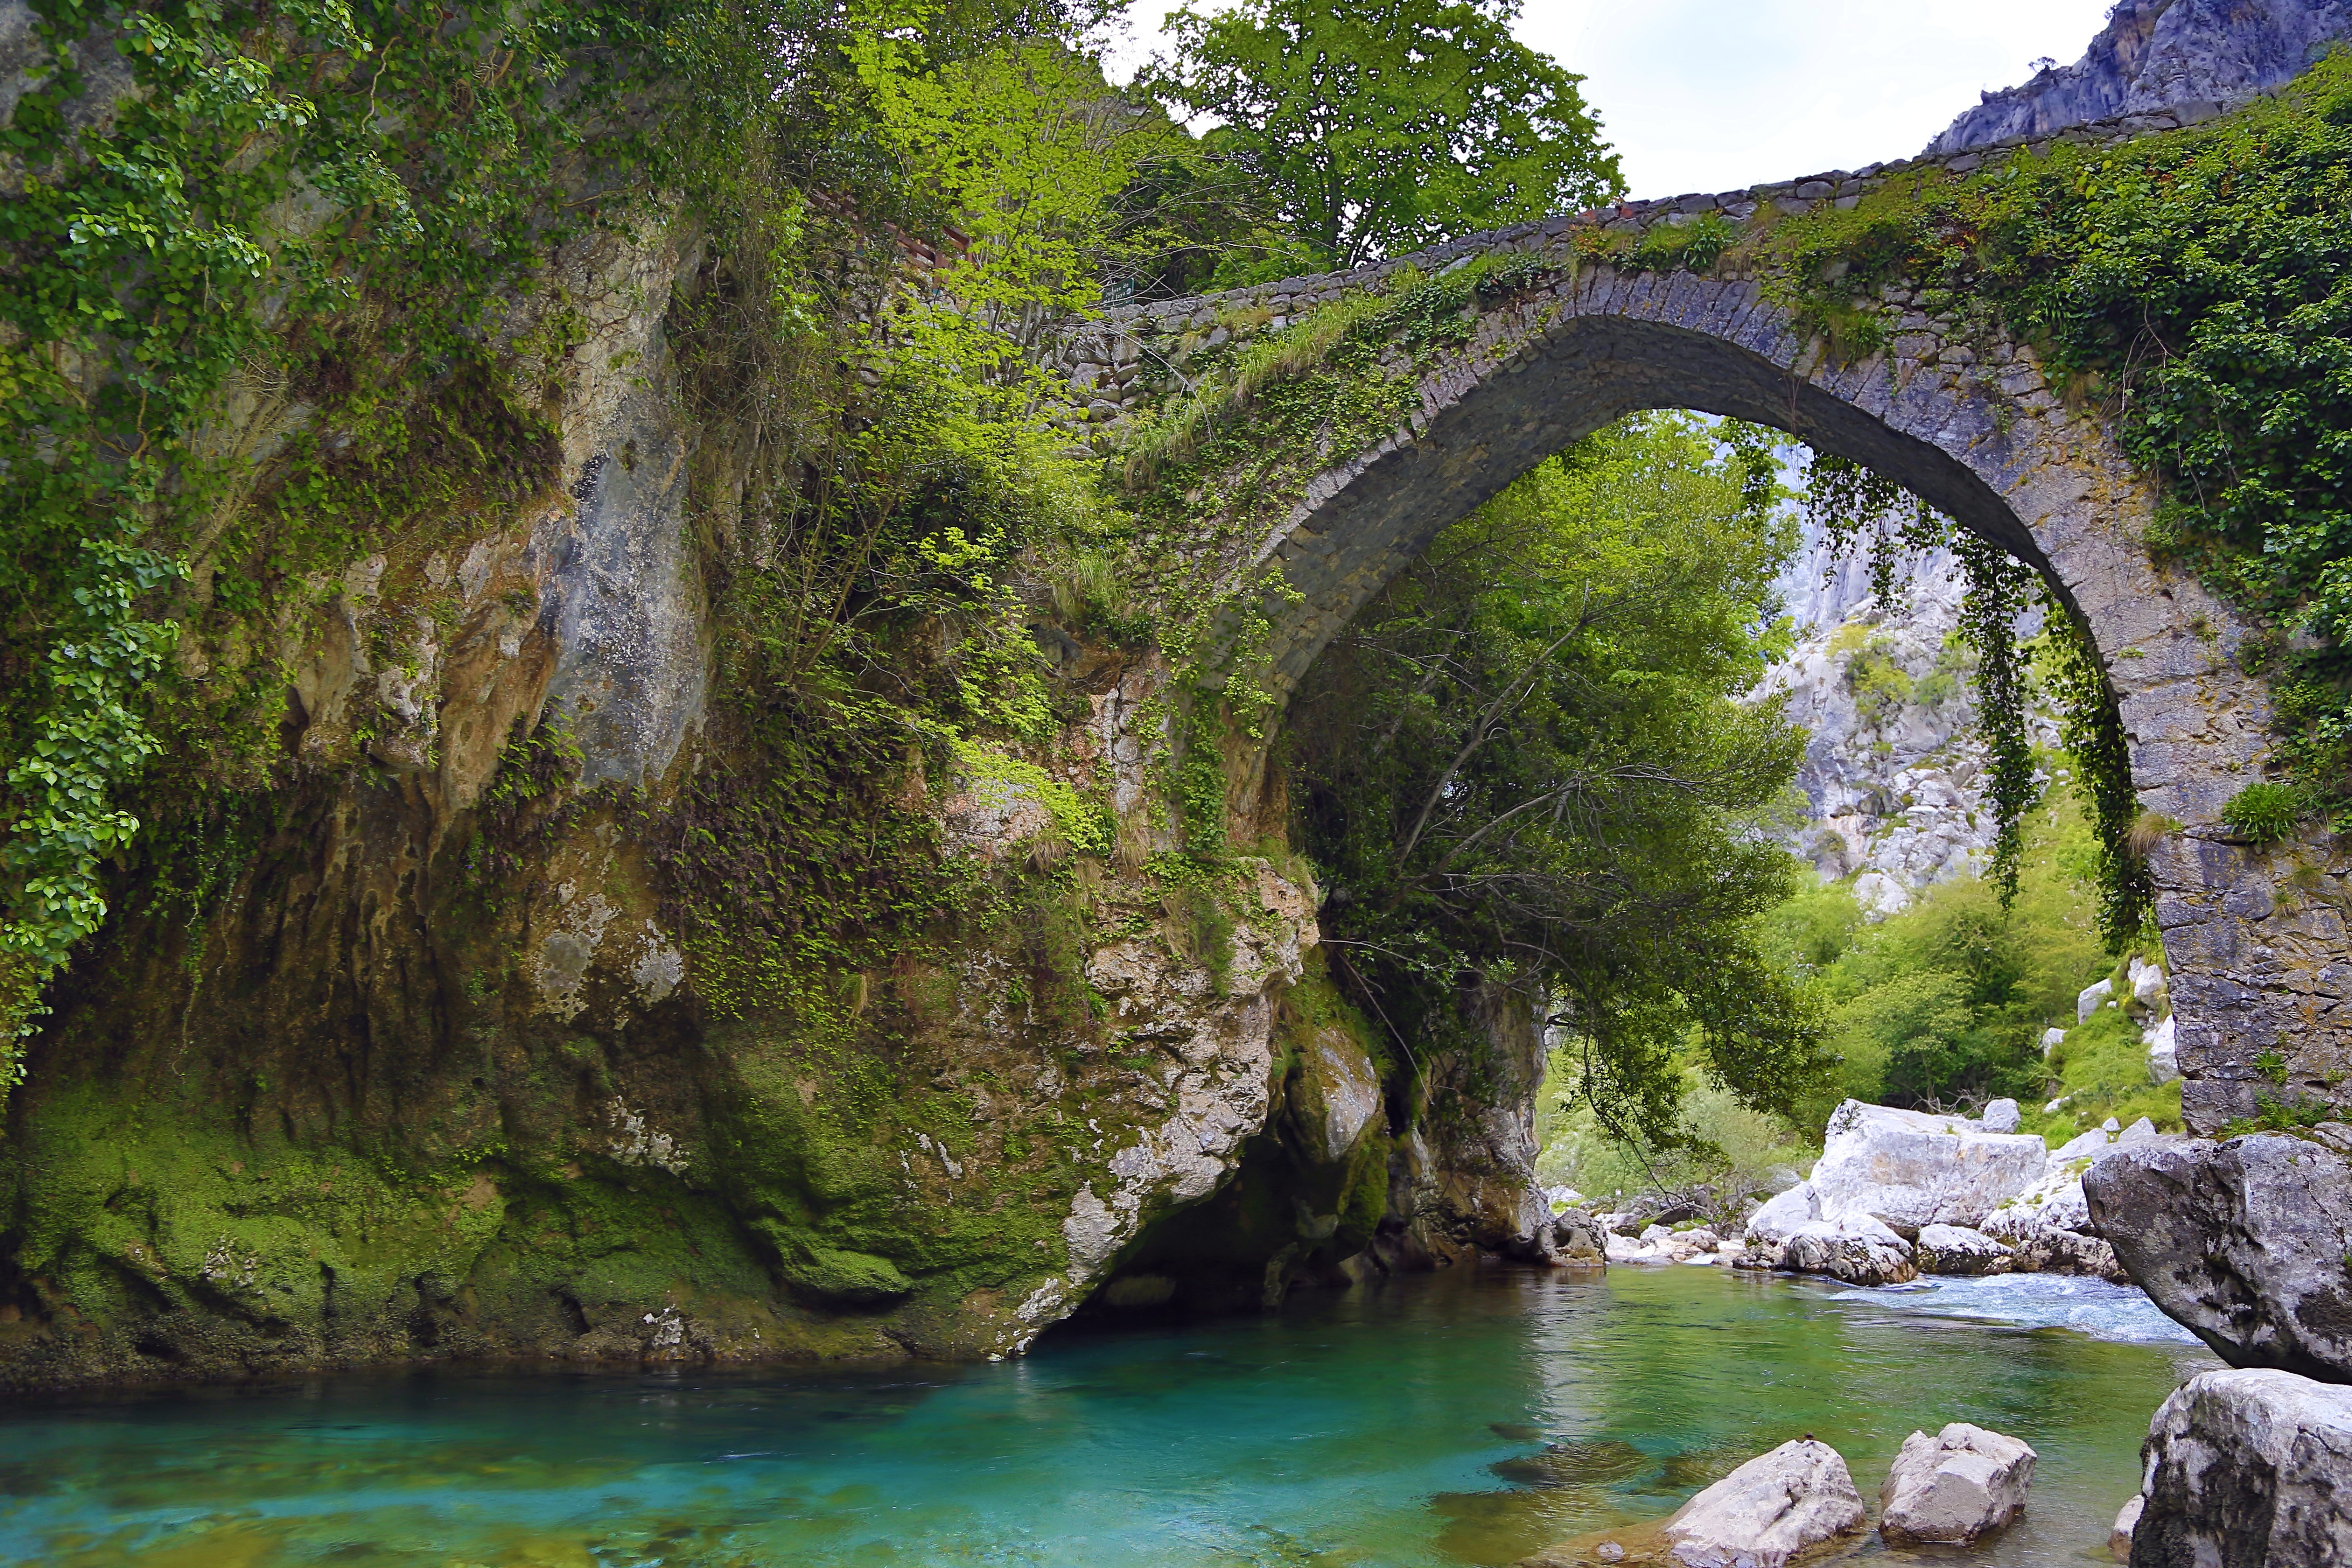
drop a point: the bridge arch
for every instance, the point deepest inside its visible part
(1956, 413)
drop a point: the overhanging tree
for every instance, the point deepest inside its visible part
(1529, 762)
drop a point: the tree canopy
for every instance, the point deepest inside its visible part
(1528, 760)
(1383, 126)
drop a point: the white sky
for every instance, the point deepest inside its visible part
(1715, 95)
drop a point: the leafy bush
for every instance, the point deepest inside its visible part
(1733, 1148)
(2267, 813)
(1944, 1004)
(2100, 1070)
(1696, 245)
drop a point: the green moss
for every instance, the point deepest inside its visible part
(1364, 1193)
(1083, 825)
(832, 1274)
(825, 1168)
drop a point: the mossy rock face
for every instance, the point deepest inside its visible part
(847, 1278)
(260, 1144)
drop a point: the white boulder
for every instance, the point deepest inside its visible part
(2055, 1202)
(1777, 1217)
(2109, 1134)
(2163, 1051)
(1616, 1248)
(2002, 1116)
(2052, 1039)
(1910, 1168)
(1955, 1487)
(2148, 996)
(1767, 1511)
(1659, 1244)
(2048, 1227)
(2119, 1539)
(1954, 1249)
(2089, 1001)
(1857, 1250)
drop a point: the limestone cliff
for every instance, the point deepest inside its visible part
(1893, 773)
(444, 1055)
(2192, 58)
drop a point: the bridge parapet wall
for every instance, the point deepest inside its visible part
(1133, 356)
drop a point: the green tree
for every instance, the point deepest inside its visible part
(1384, 127)
(1529, 762)
(1943, 1005)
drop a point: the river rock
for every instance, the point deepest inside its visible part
(1577, 1238)
(1770, 1225)
(1955, 1249)
(1857, 1250)
(1616, 1248)
(1909, 1168)
(2068, 1252)
(2119, 1538)
(1954, 1488)
(2048, 1227)
(1769, 1509)
(2243, 1469)
(2055, 1202)
(2243, 1243)
(2109, 1134)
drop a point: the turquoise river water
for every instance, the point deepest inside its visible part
(1464, 1420)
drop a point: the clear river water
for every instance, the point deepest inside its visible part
(1456, 1420)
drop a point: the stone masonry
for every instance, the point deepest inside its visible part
(2255, 940)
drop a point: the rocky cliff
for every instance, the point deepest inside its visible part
(2193, 57)
(1893, 775)
(523, 996)
(447, 1066)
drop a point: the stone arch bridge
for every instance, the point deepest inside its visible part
(2255, 941)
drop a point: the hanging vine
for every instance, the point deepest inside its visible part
(2195, 287)
(1857, 509)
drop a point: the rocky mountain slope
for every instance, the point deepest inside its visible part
(2187, 56)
